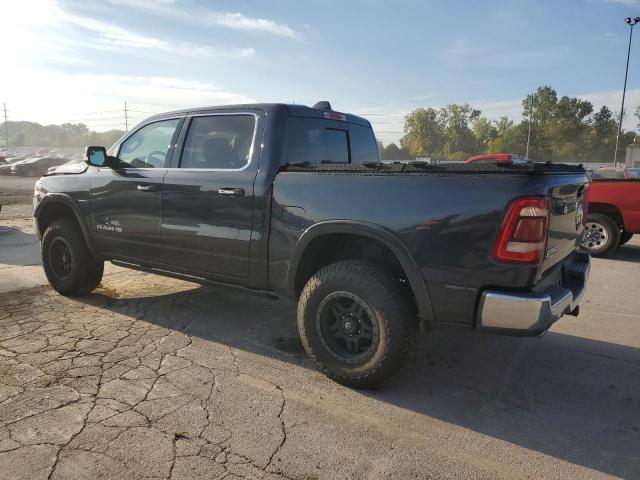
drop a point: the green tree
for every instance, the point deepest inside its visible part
(540, 105)
(31, 134)
(511, 138)
(569, 135)
(559, 129)
(484, 132)
(424, 133)
(393, 152)
(459, 140)
(605, 128)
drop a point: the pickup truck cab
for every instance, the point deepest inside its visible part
(614, 210)
(294, 201)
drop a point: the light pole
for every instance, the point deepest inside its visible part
(631, 22)
(529, 131)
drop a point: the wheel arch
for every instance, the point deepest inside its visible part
(608, 209)
(341, 231)
(55, 206)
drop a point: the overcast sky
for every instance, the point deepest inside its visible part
(72, 61)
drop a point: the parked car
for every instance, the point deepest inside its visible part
(610, 172)
(32, 167)
(9, 159)
(614, 210)
(293, 200)
(633, 172)
(65, 166)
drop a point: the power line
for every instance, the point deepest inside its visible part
(380, 113)
(96, 113)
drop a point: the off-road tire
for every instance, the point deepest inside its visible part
(625, 237)
(85, 270)
(395, 320)
(610, 231)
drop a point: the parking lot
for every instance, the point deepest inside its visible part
(151, 377)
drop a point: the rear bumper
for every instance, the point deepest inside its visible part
(531, 313)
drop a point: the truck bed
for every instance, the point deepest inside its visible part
(446, 215)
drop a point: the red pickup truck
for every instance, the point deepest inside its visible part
(614, 210)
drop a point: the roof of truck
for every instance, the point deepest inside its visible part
(294, 110)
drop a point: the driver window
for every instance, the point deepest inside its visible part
(148, 147)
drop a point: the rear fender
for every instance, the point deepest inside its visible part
(376, 232)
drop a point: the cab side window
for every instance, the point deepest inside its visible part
(317, 141)
(220, 142)
(148, 146)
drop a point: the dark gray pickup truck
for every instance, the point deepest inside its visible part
(293, 200)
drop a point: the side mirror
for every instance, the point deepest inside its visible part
(96, 156)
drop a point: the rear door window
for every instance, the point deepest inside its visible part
(219, 142)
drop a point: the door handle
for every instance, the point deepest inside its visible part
(147, 188)
(231, 192)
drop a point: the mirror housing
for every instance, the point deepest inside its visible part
(96, 156)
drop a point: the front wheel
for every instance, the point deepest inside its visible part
(69, 265)
(356, 324)
(601, 235)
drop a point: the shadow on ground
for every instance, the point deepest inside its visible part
(568, 397)
(627, 253)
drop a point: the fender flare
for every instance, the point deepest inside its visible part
(373, 231)
(66, 200)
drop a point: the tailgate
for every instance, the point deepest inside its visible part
(566, 222)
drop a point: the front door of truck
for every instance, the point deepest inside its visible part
(208, 197)
(126, 200)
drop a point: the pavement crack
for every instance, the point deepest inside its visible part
(282, 428)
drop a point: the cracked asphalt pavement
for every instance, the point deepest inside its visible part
(155, 378)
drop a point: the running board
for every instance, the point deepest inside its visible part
(194, 279)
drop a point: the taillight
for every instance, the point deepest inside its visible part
(585, 203)
(523, 235)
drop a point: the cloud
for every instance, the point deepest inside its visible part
(626, 3)
(243, 22)
(465, 54)
(41, 32)
(109, 35)
(84, 97)
(237, 21)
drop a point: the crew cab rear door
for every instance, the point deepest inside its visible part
(208, 195)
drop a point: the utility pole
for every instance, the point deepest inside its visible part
(6, 127)
(631, 22)
(126, 117)
(529, 130)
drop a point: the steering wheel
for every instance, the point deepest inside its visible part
(157, 162)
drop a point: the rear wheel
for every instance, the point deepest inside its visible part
(69, 265)
(601, 235)
(625, 237)
(356, 324)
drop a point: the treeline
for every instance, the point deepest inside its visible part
(563, 129)
(31, 134)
